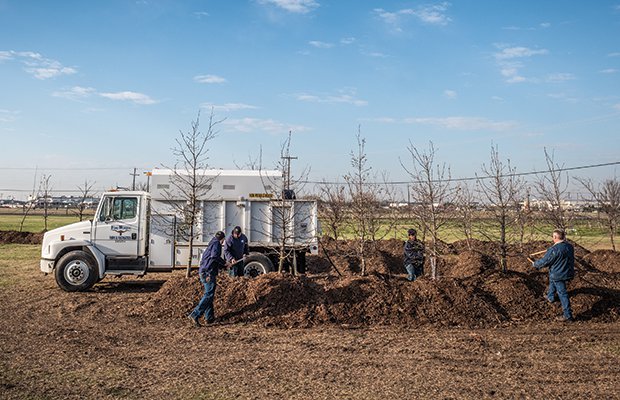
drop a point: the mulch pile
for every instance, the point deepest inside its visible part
(470, 290)
(17, 237)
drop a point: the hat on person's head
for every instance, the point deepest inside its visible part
(412, 232)
(219, 235)
(237, 230)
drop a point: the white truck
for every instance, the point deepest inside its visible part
(135, 232)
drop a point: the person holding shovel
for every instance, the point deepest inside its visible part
(235, 248)
(210, 264)
(413, 254)
(560, 259)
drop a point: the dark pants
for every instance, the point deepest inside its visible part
(236, 269)
(205, 306)
(414, 270)
(559, 287)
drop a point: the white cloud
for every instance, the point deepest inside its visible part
(450, 94)
(209, 79)
(320, 45)
(294, 6)
(497, 98)
(201, 14)
(432, 14)
(508, 53)
(510, 64)
(609, 71)
(347, 41)
(248, 125)
(560, 77)
(344, 97)
(38, 66)
(563, 97)
(463, 123)
(228, 107)
(616, 106)
(6, 55)
(79, 92)
(137, 98)
(545, 25)
(615, 54)
(376, 54)
(75, 93)
(7, 116)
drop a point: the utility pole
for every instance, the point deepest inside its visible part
(133, 185)
(287, 160)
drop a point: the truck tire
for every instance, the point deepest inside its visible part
(76, 271)
(256, 264)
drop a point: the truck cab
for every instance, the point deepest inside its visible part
(113, 243)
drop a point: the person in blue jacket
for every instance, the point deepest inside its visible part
(210, 264)
(560, 259)
(413, 255)
(235, 248)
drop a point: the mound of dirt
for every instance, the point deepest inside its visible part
(484, 299)
(470, 263)
(16, 237)
(603, 260)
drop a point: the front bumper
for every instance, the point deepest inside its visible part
(47, 265)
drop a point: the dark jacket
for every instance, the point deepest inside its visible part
(414, 252)
(236, 248)
(212, 260)
(560, 258)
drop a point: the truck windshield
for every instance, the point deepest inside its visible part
(119, 208)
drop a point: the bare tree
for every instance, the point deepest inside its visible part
(45, 192)
(86, 192)
(365, 195)
(333, 208)
(431, 191)
(607, 197)
(523, 216)
(465, 210)
(188, 180)
(286, 216)
(500, 188)
(29, 205)
(552, 189)
(252, 163)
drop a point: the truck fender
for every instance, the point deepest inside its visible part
(58, 249)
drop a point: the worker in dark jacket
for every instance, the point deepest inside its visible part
(413, 256)
(235, 248)
(210, 264)
(560, 259)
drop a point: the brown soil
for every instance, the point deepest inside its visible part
(477, 332)
(17, 237)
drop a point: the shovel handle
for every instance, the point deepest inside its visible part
(538, 252)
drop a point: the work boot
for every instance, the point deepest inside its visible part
(194, 320)
(564, 319)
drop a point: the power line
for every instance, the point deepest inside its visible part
(341, 183)
(69, 169)
(479, 177)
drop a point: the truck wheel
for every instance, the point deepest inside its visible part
(76, 271)
(256, 264)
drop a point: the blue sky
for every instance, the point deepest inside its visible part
(107, 85)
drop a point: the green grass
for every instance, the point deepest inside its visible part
(587, 233)
(18, 261)
(35, 223)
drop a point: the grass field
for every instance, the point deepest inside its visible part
(586, 231)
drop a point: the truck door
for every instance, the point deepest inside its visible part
(116, 226)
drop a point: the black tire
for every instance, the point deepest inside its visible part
(256, 264)
(76, 271)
